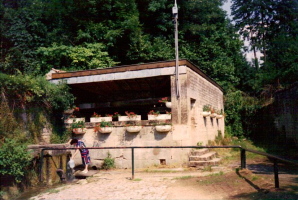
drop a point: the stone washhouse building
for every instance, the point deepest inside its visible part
(139, 88)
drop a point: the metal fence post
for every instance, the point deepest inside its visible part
(40, 165)
(132, 164)
(276, 180)
(243, 159)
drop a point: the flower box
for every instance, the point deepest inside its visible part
(159, 117)
(100, 119)
(133, 129)
(72, 120)
(79, 130)
(106, 129)
(218, 116)
(213, 115)
(132, 118)
(169, 104)
(206, 114)
(163, 128)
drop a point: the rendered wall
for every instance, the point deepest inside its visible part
(188, 128)
(143, 157)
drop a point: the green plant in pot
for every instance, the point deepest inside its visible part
(78, 127)
(104, 127)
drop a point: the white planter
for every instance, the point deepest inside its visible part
(163, 128)
(106, 129)
(100, 119)
(79, 130)
(133, 129)
(72, 120)
(169, 104)
(159, 117)
(206, 114)
(126, 118)
(213, 115)
(218, 116)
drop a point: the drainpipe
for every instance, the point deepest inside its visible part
(175, 20)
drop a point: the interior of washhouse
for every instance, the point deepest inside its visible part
(139, 95)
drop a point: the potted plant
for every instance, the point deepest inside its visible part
(73, 118)
(213, 112)
(130, 116)
(155, 115)
(163, 127)
(220, 114)
(104, 127)
(166, 101)
(133, 127)
(98, 118)
(206, 110)
(78, 127)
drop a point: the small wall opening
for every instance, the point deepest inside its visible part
(162, 161)
(192, 103)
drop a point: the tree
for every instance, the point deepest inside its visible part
(272, 27)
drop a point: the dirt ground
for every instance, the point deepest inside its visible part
(255, 182)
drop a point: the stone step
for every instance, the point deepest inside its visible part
(214, 161)
(199, 152)
(207, 156)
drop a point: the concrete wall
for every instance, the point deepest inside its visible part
(148, 136)
(203, 92)
(285, 112)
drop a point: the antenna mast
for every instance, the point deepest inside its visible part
(175, 20)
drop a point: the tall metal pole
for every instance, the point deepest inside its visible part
(175, 15)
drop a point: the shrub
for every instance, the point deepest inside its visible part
(108, 162)
(14, 159)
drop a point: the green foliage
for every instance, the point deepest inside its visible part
(26, 105)
(14, 159)
(240, 110)
(207, 108)
(105, 124)
(108, 162)
(271, 27)
(80, 57)
(79, 124)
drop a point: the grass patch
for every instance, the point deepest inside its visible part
(183, 177)
(51, 191)
(254, 178)
(137, 179)
(207, 169)
(160, 171)
(217, 174)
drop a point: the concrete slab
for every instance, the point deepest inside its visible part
(80, 173)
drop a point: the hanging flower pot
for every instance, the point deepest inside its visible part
(206, 114)
(218, 116)
(106, 129)
(169, 104)
(79, 130)
(133, 129)
(213, 115)
(163, 128)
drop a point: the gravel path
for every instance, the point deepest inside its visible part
(117, 184)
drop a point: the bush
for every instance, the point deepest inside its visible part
(108, 162)
(14, 159)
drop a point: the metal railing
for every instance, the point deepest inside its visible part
(242, 156)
